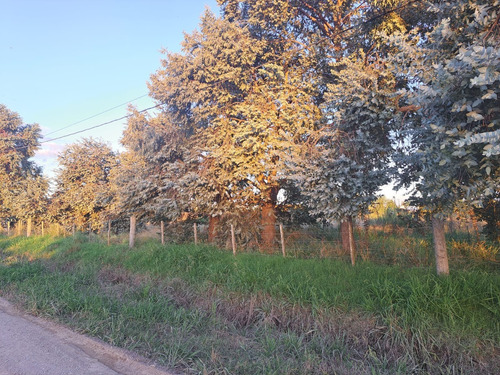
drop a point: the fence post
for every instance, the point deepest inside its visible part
(233, 241)
(28, 227)
(73, 230)
(109, 231)
(42, 229)
(162, 230)
(282, 240)
(352, 244)
(195, 234)
(131, 238)
(8, 228)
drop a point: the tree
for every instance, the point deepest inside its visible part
(383, 207)
(30, 199)
(350, 162)
(249, 105)
(455, 73)
(22, 188)
(82, 182)
(142, 183)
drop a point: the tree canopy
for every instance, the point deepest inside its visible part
(22, 188)
(82, 184)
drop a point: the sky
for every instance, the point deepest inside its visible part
(63, 61)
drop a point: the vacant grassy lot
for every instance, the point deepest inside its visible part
(201, 310)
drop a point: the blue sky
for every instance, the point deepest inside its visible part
(63, 61)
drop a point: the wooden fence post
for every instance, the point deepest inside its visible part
(131, 238)
(42, 229)
(73, 230)
(233, 241)
(8, 228)
(109, 231)
(282, 240)
(162, 230)
(28, 227)
(352, 244)
(195, 234)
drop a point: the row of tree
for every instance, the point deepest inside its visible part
(299, 109)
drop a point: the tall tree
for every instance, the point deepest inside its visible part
(143, 182)
(346, 169)
(340, 39)
(82, 182)
(250, 106)
(22, 188)
(455, 135)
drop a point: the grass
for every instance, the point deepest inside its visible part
(201, 310)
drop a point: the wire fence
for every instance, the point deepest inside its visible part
(380, 242)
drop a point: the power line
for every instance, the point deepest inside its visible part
(98, 126)
(90, 128)
(93, 116)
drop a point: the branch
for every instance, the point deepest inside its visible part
(409, 108)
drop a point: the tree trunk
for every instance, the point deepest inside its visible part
(268, 219)
(213, 223)
(440, 246)
(28, 227)
(131, 238)
(347, 236)
(344, 236)
(268, 226)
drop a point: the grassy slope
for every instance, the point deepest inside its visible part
(201, 309)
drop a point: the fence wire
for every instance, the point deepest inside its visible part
(378, 242)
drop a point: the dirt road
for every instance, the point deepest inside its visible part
(33, 346)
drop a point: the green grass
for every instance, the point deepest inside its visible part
(201, 310)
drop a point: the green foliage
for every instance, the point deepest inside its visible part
(454, 72)
(352, 161)
(382, 207)
(22, 188)
(82, 195)
(139, 183)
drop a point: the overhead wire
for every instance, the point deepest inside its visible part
(93, 116)
(100, 125)
(91, 127)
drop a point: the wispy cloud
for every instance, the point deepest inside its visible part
(49, 150)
